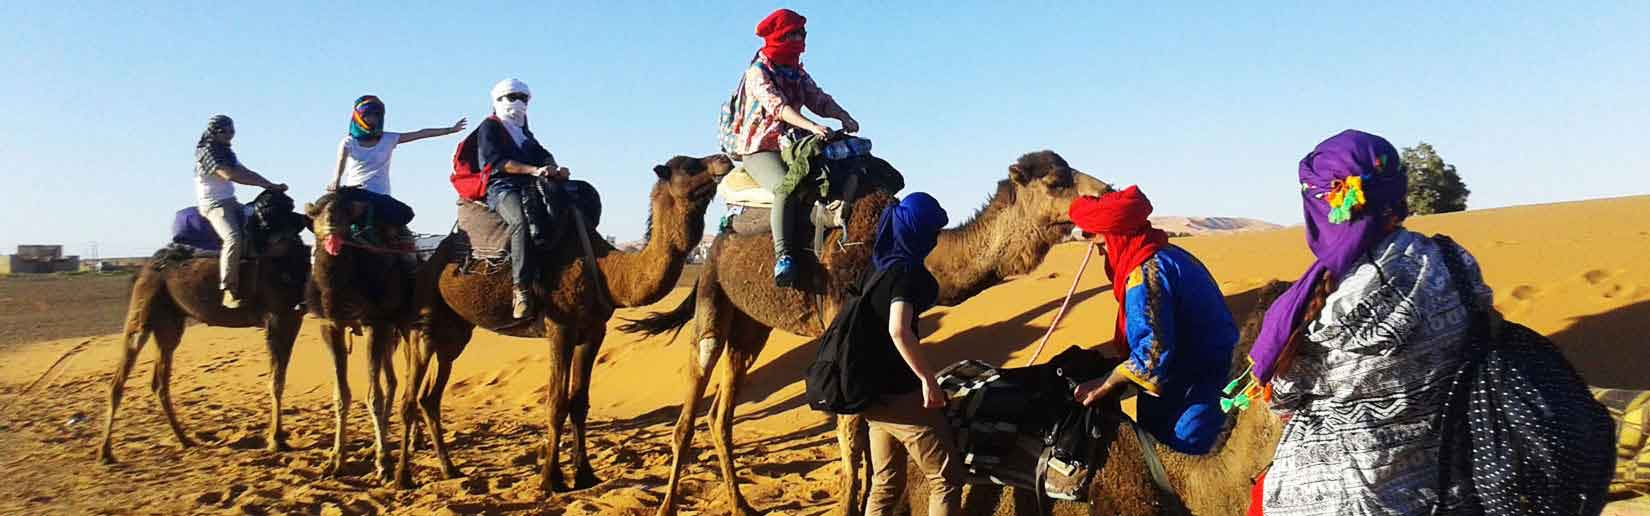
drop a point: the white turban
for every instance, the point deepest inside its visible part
(512, 112)
(508, 86)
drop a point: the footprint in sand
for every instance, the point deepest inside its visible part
(1525, 292)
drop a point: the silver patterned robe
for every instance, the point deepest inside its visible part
(1367, 385)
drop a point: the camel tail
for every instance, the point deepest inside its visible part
(658, 323)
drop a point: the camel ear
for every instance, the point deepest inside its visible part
(310, 209)
(1018, 174)
(662, 171)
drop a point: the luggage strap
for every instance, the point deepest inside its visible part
(1148, 448)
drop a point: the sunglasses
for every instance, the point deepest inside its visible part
(517, 96)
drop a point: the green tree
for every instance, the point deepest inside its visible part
(1434, 186)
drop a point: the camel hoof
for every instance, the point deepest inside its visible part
(451, 472)
(277, 446)
(404, 481)
(185, 442)
(333, 469)
(106, 458)
(585, 480)
(745, 509)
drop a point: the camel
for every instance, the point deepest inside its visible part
(734, 307)
(176, 285)
(1218, 483)
(573, 317)
(354, 285)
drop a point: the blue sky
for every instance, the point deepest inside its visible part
(1207, 108)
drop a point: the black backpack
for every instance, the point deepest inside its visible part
(1520, 433)
(843, 377)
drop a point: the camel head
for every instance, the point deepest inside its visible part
(274, 229)
(1040, 188)
(691, 182)
(331, 218)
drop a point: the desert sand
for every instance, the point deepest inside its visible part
(1579, 272)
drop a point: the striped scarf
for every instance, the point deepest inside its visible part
(358, 126)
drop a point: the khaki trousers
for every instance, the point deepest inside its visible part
(900, 427)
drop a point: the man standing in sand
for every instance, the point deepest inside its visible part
(216, 172)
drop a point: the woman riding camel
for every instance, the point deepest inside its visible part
(364, 159)
(217, 169)
(769, 106)
(1360, 351)
(517, 161)
(1171, 319)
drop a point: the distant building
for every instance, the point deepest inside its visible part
(42, 259)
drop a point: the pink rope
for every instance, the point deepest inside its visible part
(1063, 306)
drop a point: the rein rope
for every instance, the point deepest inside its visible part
(1064, 305)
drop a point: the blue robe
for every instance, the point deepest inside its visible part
(1180, 339)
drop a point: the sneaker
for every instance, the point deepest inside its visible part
(518, 304)
(230, 301)
(784, 272)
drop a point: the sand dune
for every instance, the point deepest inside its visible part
(1579, 272)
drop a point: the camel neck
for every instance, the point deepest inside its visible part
(995, 244)
(643, 277)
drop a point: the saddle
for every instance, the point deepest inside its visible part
(1019, 427)
(482, 234)
(825, 196)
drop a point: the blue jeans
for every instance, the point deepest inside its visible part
(510, 202)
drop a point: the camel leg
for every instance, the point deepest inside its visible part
(561, 338)
(418, 361)
(134, 339)
(578, 388)
(333, 334)
(745, 343)
(280, 331)
(701, 360)
(430, 402)
(852, 440)
(168, 334)
(383, 345)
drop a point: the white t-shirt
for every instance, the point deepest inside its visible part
(369, 167)
(209, 189)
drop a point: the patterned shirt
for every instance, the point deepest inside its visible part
(766, 89)
(1366, 386)
(209, 188)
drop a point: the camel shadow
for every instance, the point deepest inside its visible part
(1607, 349)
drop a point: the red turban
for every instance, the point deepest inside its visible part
(1120, 218)
(776, 26)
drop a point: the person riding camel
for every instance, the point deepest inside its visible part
(767, 108)
(1172, 323)
(364, 161)
(518, 161)
(217, 169)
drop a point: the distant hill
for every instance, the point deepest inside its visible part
(1210, 225)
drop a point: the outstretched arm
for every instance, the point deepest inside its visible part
(434, 131)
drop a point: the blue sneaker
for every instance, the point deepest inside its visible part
(783, 272)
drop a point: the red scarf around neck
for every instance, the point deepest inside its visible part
(1120, 219)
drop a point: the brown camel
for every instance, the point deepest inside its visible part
(175, 286)
(573, 318)
(1214, 484)
(735, 307)
(361, 285)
